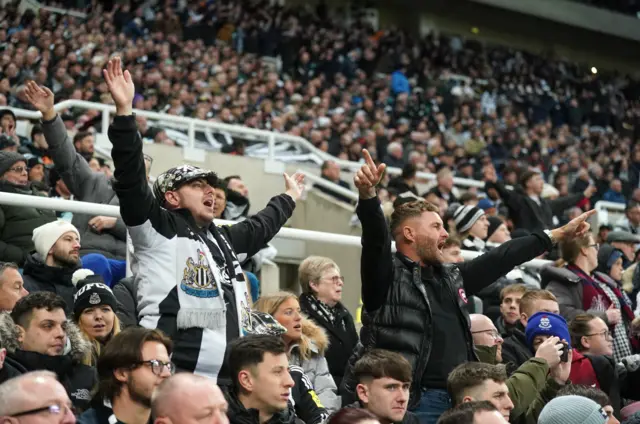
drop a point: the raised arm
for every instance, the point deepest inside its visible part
(376, 263)
(73, 168)
(485, 269)
(559, 205)
(137, 203)
(249, 236)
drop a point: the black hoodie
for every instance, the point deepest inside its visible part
(40, 277)
(238, 414)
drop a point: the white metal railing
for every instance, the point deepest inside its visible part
(316, 180)
(192, 123)
(603, 208)
(114, 211)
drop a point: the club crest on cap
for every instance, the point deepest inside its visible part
(95, 299)
(545, 323)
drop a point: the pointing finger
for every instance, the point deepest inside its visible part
(368, 159)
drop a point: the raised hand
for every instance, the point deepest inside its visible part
(576, 228)
(561, 372)
(368, 176)
(550, 350)
(294, 185)
(120, 86)
(41, 98)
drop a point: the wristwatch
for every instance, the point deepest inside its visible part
(551, 237)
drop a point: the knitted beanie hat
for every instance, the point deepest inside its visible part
(45, 236)
(7, 159)
(547, 324)
(91, 291)
(572, 410)
(465, 217)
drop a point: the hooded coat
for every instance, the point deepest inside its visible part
(38, 276)
(316, 367)
(78, 379)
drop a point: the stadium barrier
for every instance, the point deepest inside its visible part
(114, 211)
(190, 124)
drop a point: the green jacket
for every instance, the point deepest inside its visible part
(17, 224)
(529, 387)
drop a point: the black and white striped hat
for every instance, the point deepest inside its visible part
(465, 217)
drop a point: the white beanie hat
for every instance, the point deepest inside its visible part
(45, 236)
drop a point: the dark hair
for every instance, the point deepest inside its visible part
(410, 210)
(124, 350)
(23, 311)
(465, 412)
(593, 393)
(81, 135)
(325, 164)
(451, 241)
(578, 328)
(249, 351)
(467, 197)
(409, 171)
(526, 176)
(221, 185)
(351, 416)
(37, 129)
(630, 205)
(379, 363)
(231, 177)
(472, 374)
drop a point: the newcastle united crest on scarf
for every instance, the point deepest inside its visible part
(197, 278)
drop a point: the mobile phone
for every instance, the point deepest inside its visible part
(564, 357)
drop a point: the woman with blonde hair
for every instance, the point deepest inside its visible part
(306, 343)
(94, 308)
(322, 285)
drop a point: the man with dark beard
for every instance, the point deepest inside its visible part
(57, 256)
(414, 303)
(131, 367)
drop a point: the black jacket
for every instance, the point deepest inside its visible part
(99, 414)
(238, 414)
(306, 403)
(515, 350)
(125, 294)
(398, 313)
(40, 277)
(343, 336)
(78, 379)
(527, 214)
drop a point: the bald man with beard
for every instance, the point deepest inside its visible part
(529, 384)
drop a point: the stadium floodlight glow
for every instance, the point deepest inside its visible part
(594, 70)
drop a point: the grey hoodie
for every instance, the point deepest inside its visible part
(87, 186)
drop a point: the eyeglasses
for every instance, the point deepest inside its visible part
(55, 409)
(157, 367)
(605, 333)
(335, 279)
(493, 333)
(19, 169)
(597, 246)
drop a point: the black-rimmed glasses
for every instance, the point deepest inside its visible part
(157, 367)
(606, 333)
(55, 409)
